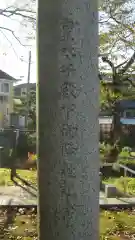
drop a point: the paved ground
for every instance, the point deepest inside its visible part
(18, 196)
(115, 201)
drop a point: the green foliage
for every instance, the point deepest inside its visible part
(20, 224)
(105, 148)
(117, 225)
(107, 152)
(127, 161)
(104, 38)
(32, 109)
(29, 176)
(125, 152)
(21, 109)
(124, 184)
(117, 37)
(124, 156)
(32, 142)
(26, 143)
(114, 225)
(108, 97)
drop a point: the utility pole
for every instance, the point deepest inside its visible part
(28, 90)
(67, 120)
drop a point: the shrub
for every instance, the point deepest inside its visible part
(109, 153)
(105, 148)
(32, 142)
(127, 161)
(26, 143)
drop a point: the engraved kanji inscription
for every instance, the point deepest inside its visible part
(69, 130)
(67, 69)
(68, 170)
(68, 111)
(71, 171)
(70, 89)
(70, 148)
(67, 25)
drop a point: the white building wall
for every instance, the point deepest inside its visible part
(6, 103)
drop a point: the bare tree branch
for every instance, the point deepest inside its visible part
(12, 32)
(121, 64)
(3, 10)
(100, 76)
(104, 21)
(9, 42)
(126, 26)
(23, 10)
(121, 71)
(18, 12)
(127, 79)
(10, 11)
(13, 47)
(128, 65)
(113, 44)
(106, 60)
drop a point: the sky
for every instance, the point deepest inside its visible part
(11, 52)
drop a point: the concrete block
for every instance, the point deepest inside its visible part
(110, 191)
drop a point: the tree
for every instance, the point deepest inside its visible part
(22, 109)
(116, 42)
(117, 34)
(110, 97)
(32, 110)
(68, 166)
(117, 38)
(24, 13)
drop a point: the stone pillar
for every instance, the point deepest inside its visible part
(67, 122)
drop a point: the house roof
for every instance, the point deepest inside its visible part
(109, 120)
(4, 75)
(126, 103)
(23, 85)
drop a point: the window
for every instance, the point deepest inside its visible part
(5, 87)
(3, 99)
(129, 113)
(23, 91)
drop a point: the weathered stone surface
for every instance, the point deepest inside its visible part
(110, 191)
(68, 110)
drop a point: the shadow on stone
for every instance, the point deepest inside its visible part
(24, 188)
